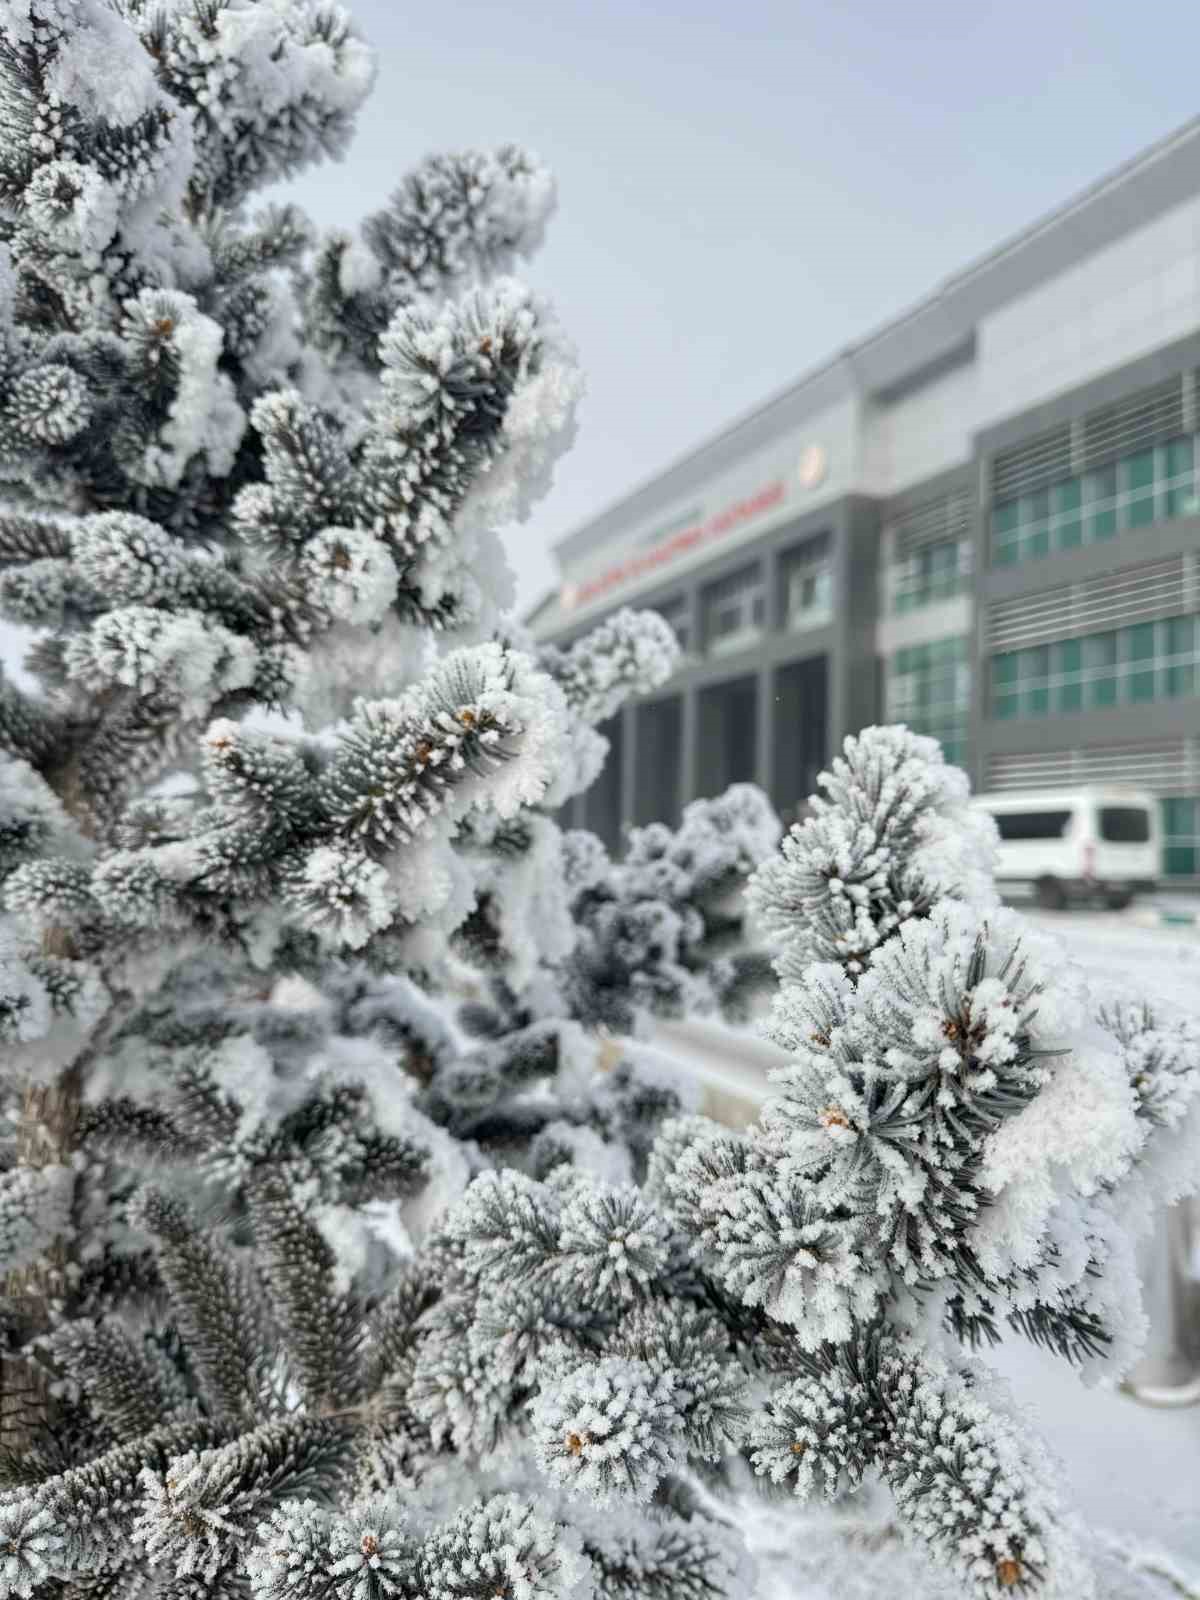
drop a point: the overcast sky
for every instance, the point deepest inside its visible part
(747, 185)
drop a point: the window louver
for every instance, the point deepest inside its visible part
(1135, 423)
(1136, 594)
(1032, 464)
(1171, 765)
(938, 521)
(1144, 419)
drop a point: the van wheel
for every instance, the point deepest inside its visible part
(1051, 896)
(1119, 901)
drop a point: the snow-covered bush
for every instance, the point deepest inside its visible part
(661, 932)
(961, 1142)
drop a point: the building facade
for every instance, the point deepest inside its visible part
(982, 520)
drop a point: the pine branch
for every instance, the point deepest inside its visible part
(25, 539)
(456, 215)
(278, 238)
(199, 1509)
(675, 1560)
(134, 1131)
(216, 1310)
(322, 1329)
(28, 729)
(952, 1464)
(128, 1388)
(81, 1521)
(392, 1330)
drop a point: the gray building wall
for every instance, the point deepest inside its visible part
(1127, 554)
(1094, 304)
(752, 714)
(756, 677)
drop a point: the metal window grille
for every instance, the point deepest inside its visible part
(678, 614)
(928, 550)
(1170, 766)
(1137, 664)
(735, 610)
(1032, 464)
(806, 573)
(928, 686)
(1123, 466)
(1135, 594)
(945, 519)
(1147, 418)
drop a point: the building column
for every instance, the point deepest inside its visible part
(628, 766)
(764, 748)
(688, 744)
(977, 656)
(840, 649)
(695, 616)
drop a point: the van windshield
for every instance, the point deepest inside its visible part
(1124, 824)
(1032, 824)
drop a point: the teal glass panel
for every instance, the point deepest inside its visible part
(1099, 498)
(1067, 507)
(1138, 473)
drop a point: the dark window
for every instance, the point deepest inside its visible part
(678, 614)
(658, 730)
(602, 802)
(1033, 824)
(726, 735)
(1124, 825)
(800, 728)
(735, 610)
(806, 573)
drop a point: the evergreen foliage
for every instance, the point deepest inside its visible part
(275, 742)
(956, 1142)
(350, 1248)
(661, 932)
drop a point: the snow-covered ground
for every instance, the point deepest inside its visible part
(1128, 1468)
(1131, 1467)
(1117, 944)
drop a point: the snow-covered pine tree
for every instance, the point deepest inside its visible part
(962, 1141)
(249, 471)
(663, 932)
(273, 728)
(659, 933)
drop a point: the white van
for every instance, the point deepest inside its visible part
(1096, 844)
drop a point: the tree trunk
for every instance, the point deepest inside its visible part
(50, 1112)
(45, 1136)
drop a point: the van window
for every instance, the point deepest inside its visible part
(1032, 824)
(1124, 825)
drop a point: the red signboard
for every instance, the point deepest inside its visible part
(701, 533)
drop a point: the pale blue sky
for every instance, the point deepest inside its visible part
(746, 185)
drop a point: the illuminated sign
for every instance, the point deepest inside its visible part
(811, 470)
(690, 538)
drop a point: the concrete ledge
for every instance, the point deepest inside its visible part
(728, 1067)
